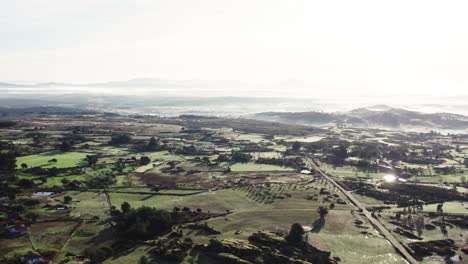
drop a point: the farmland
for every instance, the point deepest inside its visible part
(82, 190)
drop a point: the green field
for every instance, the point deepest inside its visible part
(449, 208)
(250, 166)
(340, 236)
(440, 178)
(351, 172)
(85, 205)
(64, 159)
(162, 156)
(217, 201)
(9, 247)
(51, 235)
(53, 181)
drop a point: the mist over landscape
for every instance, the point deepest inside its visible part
(233, 132)
(154, 96)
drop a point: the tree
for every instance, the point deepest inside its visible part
(52, 172)
(143, 223)
(339, 155)
(65, 181)
(98, 254)
(30, 203)
(25, 183)
(32, 217)
(144, 160)
(24, 166)
(420, 224)
(463, 179)
(295, 234)
(92, 160)
(238, 156)
(67, 199)
(7, 164)
(65, 146)
(296, 146)
(118, 139)
(322, 211)
(125, 207)
(143, 260)
(153, 144)
(37, 138)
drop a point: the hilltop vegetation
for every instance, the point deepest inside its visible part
(383, 117)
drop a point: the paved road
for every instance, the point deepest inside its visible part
(375, 222)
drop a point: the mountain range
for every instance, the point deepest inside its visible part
(374, 116)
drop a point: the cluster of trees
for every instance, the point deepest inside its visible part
(7, 164)
(404, 194)
(141, 223)
(238, 156)
(92, 159)
(119, 139)
(295, 234)
(153, 145)
(187, 150)
(366, 166)
(7, 123)
(145, 160)
(66, 146)
(295, 162)
(338, 155)
(296, 146)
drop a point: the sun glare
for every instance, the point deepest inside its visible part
(389, 178)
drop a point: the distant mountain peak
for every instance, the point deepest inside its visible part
(379, 107)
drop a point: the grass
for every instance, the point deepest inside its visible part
(121, 181)
(350, 172)
(51, 235)
(437, 178)
(90, 143)
(87, 204)
(251, 221)
(162, 156)
(64, 159)
(51, 181)
(250, 166)
(449, 207)
(9, 247)
(217, 201)
(149, 190)
(83, 239)
(340, 236)
(132, 256)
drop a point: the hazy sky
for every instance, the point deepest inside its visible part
(384, 45)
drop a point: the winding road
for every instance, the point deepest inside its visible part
(375, 222)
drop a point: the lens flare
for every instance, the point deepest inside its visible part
(389, 178)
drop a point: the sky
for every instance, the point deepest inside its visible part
(391, 46)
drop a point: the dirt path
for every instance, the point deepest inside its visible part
(77, 227)
(108, 200)
(375, 222)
